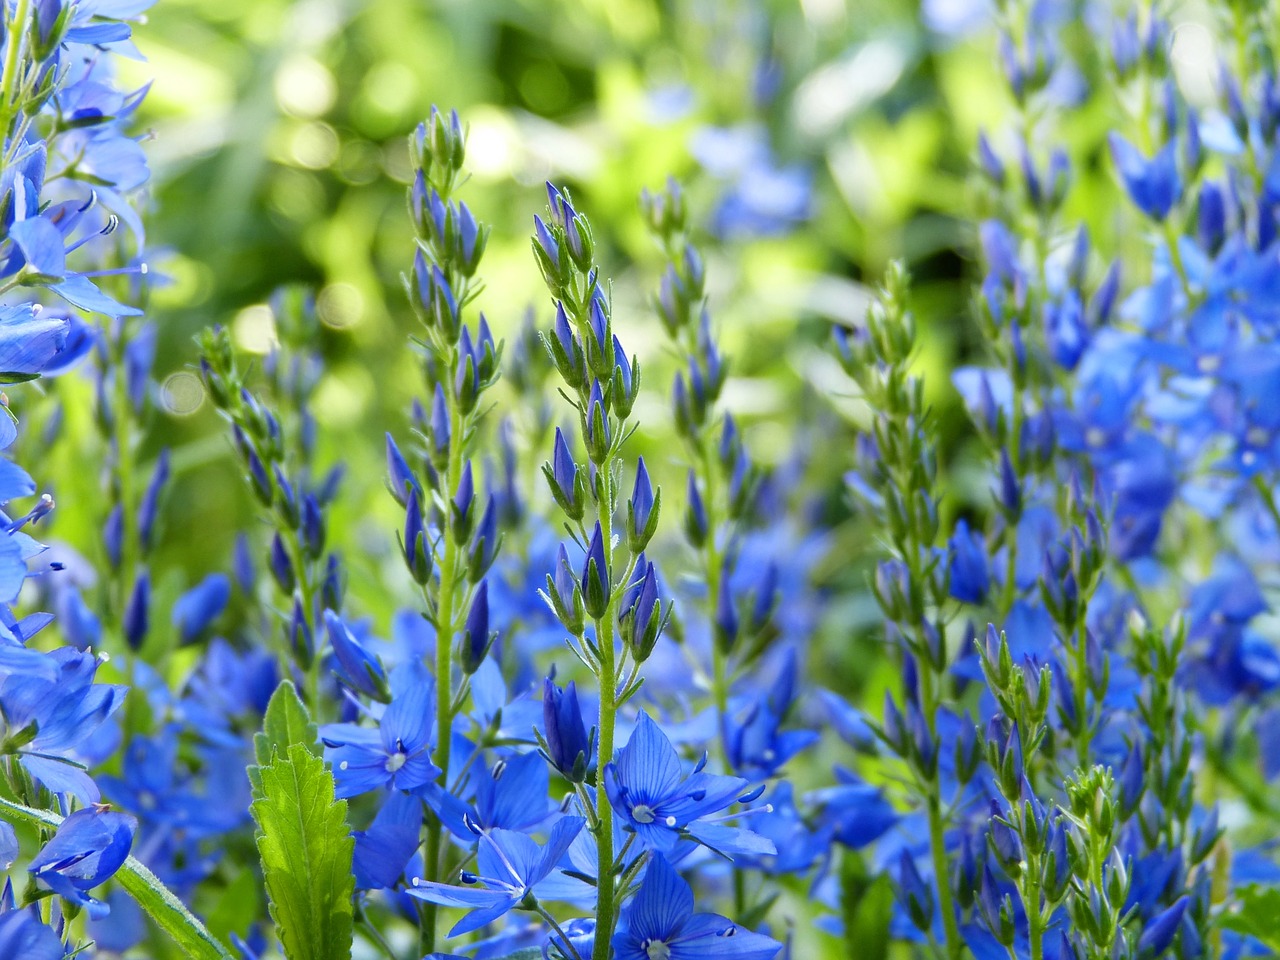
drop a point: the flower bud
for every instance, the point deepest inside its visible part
(595, 576)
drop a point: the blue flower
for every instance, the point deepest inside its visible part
(855, 813)
(513, 795)
(1153, 185)
(398, 753)
(510, 865)
(200, 606)
(569, 748)
(357, 668)
(655, 801)
(86, 851)
(399, 474)
(595, 577)
(1066, 332)
(756, 745)
(66, 709)
(137, 615)
(476, 638)
(30, 339)
(23, 935)
(384, 850)
(969, 579)
(660, 923)
(1159, 933)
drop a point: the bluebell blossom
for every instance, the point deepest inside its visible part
(761, 197)
(756, 744)
(22, 934)
(1153, 184)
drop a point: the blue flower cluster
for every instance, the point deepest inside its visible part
(590, 729)
(71, 170)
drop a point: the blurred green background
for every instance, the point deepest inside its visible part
(278, 141)
(817, 140)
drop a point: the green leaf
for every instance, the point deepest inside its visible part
(238, 906)
(306, 850)
(1256, 915)
(527, 953)
(285, 723)
(867, 907)
(169, 913)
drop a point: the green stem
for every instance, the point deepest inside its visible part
(306, 586)
(17, 33)
(1031, 903)
(713, 564)
(937, 830)
(1083, 737)
(445, 600)
(125, 466)
(605, 906)
(555, 925)
(1175, 259)
(1009, 590)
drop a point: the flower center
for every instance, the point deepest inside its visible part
(396, 761)
(656, 950)
(643, 813)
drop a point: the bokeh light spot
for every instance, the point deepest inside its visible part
(340, 305)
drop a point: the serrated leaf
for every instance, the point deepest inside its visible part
(306, 851)
(285, 723)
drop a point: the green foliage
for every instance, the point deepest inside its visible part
(237, 906)
(1258, 915)
(303, 839)
(169, 913)
(867, 907)
(285, 723)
